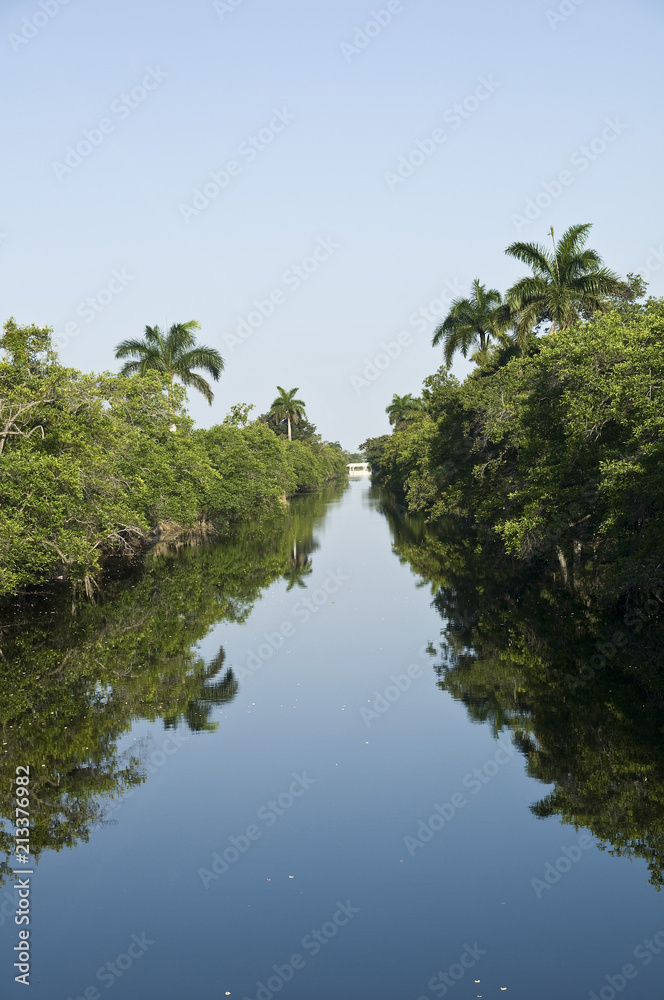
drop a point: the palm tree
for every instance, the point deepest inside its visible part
(474, 322)
(175, 354)
(567, 283)
(287, 407)
(403, 409)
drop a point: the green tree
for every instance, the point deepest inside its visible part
(238, 415)
(474, 323)
(175, 354)
(287, 407)
(26, 346)
(372, 451)
(568, 283)
(403, 410)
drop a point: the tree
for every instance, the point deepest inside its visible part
(287, 407)
(568, 283)
(175, 354)
(26, 347)
(474, 322)
(238, 415)
(372, 451)
(403, 409)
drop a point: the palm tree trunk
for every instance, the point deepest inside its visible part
(289, 429)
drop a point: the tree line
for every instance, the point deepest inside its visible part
(98, 464)
(552, 446)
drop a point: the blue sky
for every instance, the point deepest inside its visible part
(309, 227)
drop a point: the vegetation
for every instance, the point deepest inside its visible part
(555, 449)
(474, 322)
(566, 285)
(95, 465)
(403, 409)
(287, 407)
(175, 354)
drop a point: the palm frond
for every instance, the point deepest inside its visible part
(179, 339)
(131, 368)
(537, 257)
(197, 382)
(131, 346)
(573, 240)
(201, 356)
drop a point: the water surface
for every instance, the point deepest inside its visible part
(329, 757)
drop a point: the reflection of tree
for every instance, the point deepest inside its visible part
(513, 652)
(214, 690)
(300, 567)
(304, 515)
(74, 679)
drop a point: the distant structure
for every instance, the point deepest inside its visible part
(358, 469)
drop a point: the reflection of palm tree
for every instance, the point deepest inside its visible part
(197, 713)
(300, 567)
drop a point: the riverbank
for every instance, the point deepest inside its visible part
(554, 455)
(92, 464)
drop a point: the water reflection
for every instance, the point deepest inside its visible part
(74, 677)
(581, 690)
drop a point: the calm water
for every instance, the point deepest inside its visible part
(328, 758)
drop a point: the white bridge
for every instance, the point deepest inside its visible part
(358, 469)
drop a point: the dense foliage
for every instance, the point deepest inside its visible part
(557, 452)
(98, 464)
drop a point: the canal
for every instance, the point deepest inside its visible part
(333, 756)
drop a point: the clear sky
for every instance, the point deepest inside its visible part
(306, 121)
